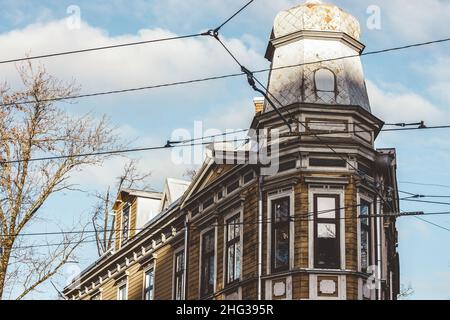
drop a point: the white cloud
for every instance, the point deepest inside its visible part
(393, 105)
(124, 67)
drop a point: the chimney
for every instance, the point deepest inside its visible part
(259, 104)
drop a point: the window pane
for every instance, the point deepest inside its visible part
(281, 247)
(231, 261)
(326, 230)
(237, 271)
(324, 80)
(326, 208)
(327, 254)
(281, 209)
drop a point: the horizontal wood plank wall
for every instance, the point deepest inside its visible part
(135, 282)
(351, 238)
(301, 226)
(193, 267)
(109, 290)
(164, 273)
(133, 217)
(250, 242)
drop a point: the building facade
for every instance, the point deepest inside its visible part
(322, 226)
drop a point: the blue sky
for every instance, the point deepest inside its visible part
(404, 86)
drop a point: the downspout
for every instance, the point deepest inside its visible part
(186, 253)
(260, 234)
(378, 242)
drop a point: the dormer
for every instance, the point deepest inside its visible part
(173, 190)
(133, 209)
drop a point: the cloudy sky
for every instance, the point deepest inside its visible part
(405, 86)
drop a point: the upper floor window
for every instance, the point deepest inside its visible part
(326, 231)
(122, 291)
(125, 227)
(280, 211)
(365, 234)
(233, 249)
(325, 83)
(149, 282)
(179, 275)
(208, 263)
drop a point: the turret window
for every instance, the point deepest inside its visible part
(325, 83)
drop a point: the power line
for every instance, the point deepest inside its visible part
(114, 46)
(425, 201)
(169, 145)
(425, 184)
(121, 45)
(251, 80)
(178, 83)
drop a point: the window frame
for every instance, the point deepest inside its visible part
(213, 255)
(317, 90)
(120, 285)
(123, 241)
(368, 229)
(272, 196)
(279, 225)
(336, 221)
(237, 240)
(146, 289)
(179, 274)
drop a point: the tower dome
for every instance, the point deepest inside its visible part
(318, 16)
(314, 50)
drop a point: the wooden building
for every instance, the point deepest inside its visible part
(322, 226)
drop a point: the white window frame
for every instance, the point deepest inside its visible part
(121, 223)
(326, 191)
(230, 215)
(151, 266)
(174, 263)
(120, 285)
(281, 193)
(201, 258)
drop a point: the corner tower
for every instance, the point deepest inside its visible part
(311, 32)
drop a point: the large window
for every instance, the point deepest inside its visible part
(280, 234)
(365, 234)
(208, 263)
(233, 249)
(122, 291)
(179, 275)
(149, 283)
(125, 224)
(326, 231)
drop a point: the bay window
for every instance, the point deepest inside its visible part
(364, 213)
(280, 213)
(326, 231)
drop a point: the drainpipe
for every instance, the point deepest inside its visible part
(260, 234)
(185, 262)
(378, 242)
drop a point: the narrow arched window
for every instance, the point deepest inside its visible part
(325, 83)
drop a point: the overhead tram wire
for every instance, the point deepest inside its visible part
(219, 77)
(251, 79)
(169, 145)
(119, 45)
(114, 46)
(265, 221)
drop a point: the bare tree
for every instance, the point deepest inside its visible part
(103, 218)
(32, 126)
(405, 292)
(190, 173)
